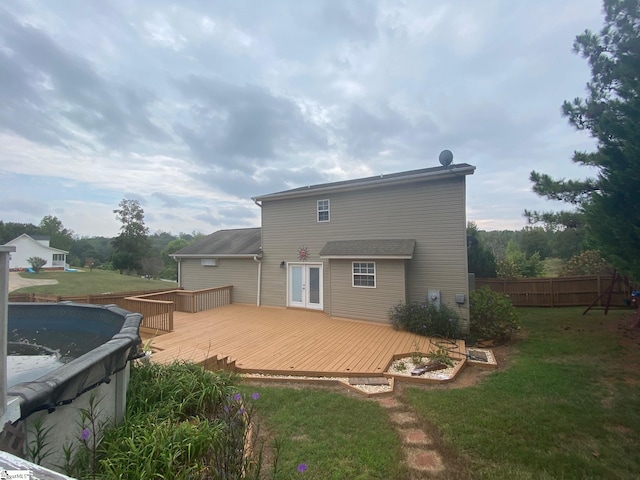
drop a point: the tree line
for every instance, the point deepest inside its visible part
(133, 251)
(532, 252)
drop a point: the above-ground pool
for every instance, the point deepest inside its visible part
(56, 352)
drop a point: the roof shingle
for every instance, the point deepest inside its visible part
(236, 242)
(400, 248)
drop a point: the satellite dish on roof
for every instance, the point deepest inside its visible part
(446, 157)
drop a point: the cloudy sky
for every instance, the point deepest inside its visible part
(193, 107)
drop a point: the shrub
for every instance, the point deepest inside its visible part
(425, 319)
(588, 262)
(36, 263)
(492, 315)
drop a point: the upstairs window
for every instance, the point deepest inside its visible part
(323, 210)
(364, 274)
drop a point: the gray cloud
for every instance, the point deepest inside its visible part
(48, 83)
(242, 127)
(238, 215)
(169, 201)
(247, 98)
(351, 20)
(24, 205)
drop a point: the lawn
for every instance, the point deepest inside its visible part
(336, 436)
(567, 407)
(87, 282)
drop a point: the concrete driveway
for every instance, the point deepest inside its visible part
(16, 281)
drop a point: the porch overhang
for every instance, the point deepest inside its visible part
(381, 249)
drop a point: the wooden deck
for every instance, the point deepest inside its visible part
(281, 341)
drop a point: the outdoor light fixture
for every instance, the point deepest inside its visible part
(282, 264)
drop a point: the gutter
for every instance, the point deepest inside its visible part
(258, 258)
(350, 185)
(212, 255)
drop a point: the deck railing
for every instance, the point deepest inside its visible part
(157, 315)
(206, 299)
(156, 308)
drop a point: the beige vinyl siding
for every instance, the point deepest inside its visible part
(242, 273)
(362, 302)
(431, 212)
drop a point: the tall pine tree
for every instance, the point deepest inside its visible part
(610, 203)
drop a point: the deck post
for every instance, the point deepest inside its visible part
(5, 251)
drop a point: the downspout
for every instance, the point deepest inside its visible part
(258, 258)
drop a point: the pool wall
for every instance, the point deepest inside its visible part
(57, 399)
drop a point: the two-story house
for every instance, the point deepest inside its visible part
(352, 249)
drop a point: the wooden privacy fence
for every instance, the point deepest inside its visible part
(560, 291)
(156, 308)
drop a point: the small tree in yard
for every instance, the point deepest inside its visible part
(150, 267)
(36, 263)
(132, 245)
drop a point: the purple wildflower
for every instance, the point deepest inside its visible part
(237, 397)
(302, 467)
(255, 396)
(241, 411)
(84, 436)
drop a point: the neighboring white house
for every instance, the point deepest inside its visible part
(36, 246)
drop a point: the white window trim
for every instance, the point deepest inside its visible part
(328, 210)
(374, 275)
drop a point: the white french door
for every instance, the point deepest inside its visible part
(304, 285)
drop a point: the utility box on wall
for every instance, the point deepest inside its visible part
(433, 297)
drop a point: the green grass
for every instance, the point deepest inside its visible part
(336, 436)
(567, 407)
(91, 282)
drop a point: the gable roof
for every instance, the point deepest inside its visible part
(353, 249)
(240, 242)
(433, 173)
(37, 240)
